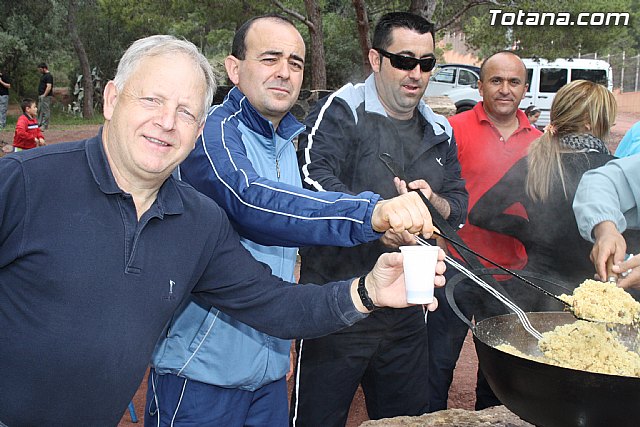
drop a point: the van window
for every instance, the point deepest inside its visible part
(446, 75)
(466, 77)
(552, 79)
(596, 76)
(529, 77)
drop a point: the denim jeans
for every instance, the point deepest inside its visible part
(4, 106)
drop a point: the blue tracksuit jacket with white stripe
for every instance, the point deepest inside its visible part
(251, 171)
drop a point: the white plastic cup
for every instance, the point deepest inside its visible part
(419, 264)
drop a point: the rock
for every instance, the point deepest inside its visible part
(306, 100)
(498, 416)
(441, 105)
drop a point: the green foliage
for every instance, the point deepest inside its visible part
(13, 47)
(20, 53)
(440, 51)
(487, 42)
(551, 41)
(33, 32)
(342, 52)
(219, 42)
(634, 28)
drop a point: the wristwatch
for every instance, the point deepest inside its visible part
(364, 295)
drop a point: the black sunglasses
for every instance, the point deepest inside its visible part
(407, 63)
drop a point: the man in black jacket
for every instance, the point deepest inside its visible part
(351, 135)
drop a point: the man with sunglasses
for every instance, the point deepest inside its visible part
(354, 138)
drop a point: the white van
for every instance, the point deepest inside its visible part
(447, 77)
(546, 78)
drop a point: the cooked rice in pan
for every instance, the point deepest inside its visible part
(586, 346)
(605, 302)
(590, 346)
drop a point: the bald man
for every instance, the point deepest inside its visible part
(491, 138)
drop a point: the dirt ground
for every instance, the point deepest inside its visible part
(54, 134)
(462, 390)
(57, 133)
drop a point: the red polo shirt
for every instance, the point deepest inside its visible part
(485, 157)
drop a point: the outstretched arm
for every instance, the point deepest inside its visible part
(243, 288)
(609, 249)
(385, 283)
(489, 212)
(606, 203)
(265, 210)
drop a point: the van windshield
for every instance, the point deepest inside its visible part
(596, 76)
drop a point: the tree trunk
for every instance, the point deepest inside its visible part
(314, 24)
(424, 8)
(363, 34)
(87, 83)
(318, 64)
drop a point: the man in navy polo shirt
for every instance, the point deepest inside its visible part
(99, 245)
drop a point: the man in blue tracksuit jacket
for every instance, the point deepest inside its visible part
(212, 369)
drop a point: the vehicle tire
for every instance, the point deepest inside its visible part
(462, 108)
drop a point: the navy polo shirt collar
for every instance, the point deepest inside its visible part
(169, 200)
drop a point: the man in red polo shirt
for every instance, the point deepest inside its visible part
(491, 137)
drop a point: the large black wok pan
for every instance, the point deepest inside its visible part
(547, 395)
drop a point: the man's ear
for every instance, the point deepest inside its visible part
(232, 65)
(110, 99)
(200, 129)
(375, 60)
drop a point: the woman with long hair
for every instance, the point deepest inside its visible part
(545, 181)
(581, 116)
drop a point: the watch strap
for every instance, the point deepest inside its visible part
(364, 295)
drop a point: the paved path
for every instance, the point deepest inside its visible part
(624, 121)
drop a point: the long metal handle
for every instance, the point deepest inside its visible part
(506, 301)
(505, 269)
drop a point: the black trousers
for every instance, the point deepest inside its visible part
(386, 353)
(447, 333)
(446, 337)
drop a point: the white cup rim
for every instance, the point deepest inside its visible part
(418, 247)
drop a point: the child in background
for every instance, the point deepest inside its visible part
(28, 134)
(533, 114)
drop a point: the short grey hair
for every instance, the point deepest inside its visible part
(162, 45)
